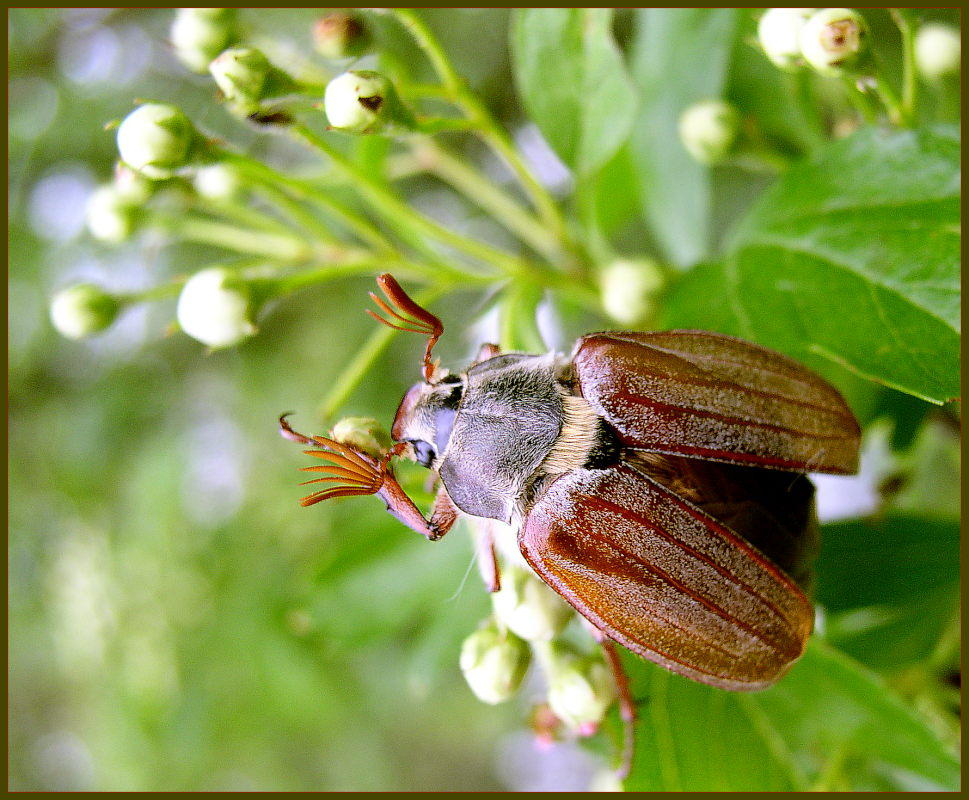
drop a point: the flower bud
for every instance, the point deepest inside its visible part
(156, 140)
(131, 186)
(215, 307)
(708, 130)
(527, 607)
(778, 32)
(834, 40)
(241, 73)
(340, 35)
(629, 288)
(217, 182)
(580, 688)
(938, 51)
(200, 34)
(109, 216)
(82, 310)
(364, 433)
(494, 663)
(363, 101)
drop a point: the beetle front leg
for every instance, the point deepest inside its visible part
(443, 513)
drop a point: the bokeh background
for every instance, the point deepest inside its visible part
(176, 620)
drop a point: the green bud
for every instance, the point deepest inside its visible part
(131, 186)
(835, 41)
(527, 607)
(629, 288)
(340, 35)
(217, 182)
(580, 688)
(82, 310)
(156, 140)
(778, 32)
(364, 433)
(240, 74)
(363, 101)
(708, 130)
(494, 663)
(109, 215)
(199, 34)
(938, 51)
(215, 307)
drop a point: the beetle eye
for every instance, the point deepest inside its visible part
(423, 452)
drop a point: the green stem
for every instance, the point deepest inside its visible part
(906, 27)
(354, 372)
(406, 219)
(799, 86)
(265, 175)
(489, 197)
(489, 130)
(307, 221)
(160, 292)
(232, 237)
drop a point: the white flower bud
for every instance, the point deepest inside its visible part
(938, 51)
(364, 433)
(708, 130)
(217, 182)
(580, 689)
(340, 35)
(494, 663)
(82, 310)
(528, 608)
(353, 101)
(363, 101)
(155, 140)
(214, 307)
(109, 216)
(834, 40)
(241, 74)
(778, 32)
(200, 34)
(629, 288)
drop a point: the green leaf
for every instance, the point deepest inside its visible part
(680, 57)
(853, 258)
(573, 82)
(828, 724)
(889, 586)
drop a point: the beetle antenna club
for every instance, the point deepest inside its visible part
(418, 320)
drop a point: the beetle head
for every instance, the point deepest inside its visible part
(426, 415)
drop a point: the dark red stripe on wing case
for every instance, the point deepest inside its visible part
(577, 549)
(770, 411)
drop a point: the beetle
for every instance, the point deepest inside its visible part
(656, 481)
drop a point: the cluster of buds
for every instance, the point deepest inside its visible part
(833, 41)
(528, 620)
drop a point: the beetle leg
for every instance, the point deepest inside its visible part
(487, 557)
(443, 513)
(627, 708)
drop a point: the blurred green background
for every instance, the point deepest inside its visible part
(176, 620)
